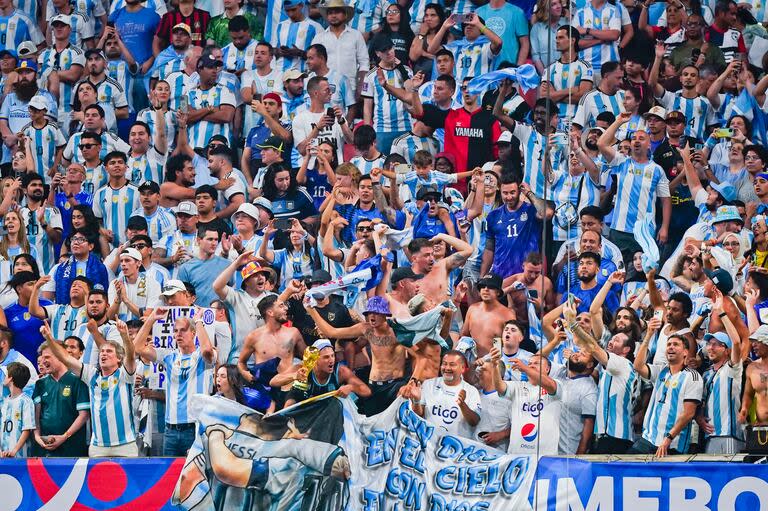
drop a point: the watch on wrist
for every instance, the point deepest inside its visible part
(421, 37)
(588, 31)
(669, 436)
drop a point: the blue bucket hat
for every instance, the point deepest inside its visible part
(726, 214)
(377, 305)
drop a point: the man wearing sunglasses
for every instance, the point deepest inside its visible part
(93, 122)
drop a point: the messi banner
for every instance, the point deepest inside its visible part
(324, 456)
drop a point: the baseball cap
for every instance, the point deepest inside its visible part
(675, 115)
(657, 111)
(293, 74)
(173, 286)
(61, 18)
(149, 186)
(95, 51)
(721, 278)
(759, 335)
(726, 189)
(186, 208)
(249, 209)
(404, 273)
(320, 277)
(132, 253)
(182, 26)
(425, 191)
(287, 4)
(26, 48)
(505, 138)
(491, 280)
(264, 204)
(38, 103)
(321, 344)
(274, 96)
(137, 223)
(209, 61)
(721, 337)
(273, 142)
(27, 64)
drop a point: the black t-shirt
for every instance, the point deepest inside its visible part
(335, 313)
(217, 224)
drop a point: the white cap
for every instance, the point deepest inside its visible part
(657, 111)
(26, 49)
(38, 103)
(321, 344)
(61, 18)
(760, 335)
(133, 253)
(249, 209)
(186, 207)
(173, 286)
(506, 136)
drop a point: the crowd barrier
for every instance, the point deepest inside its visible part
(562, 484)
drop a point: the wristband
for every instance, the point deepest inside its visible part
(482, 29)
(722, 315)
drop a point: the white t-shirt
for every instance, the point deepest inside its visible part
(440, 406)
(494, 416)
(534, 414)
(302, 127)
(579, 402)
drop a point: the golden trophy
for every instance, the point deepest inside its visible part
(311, 354)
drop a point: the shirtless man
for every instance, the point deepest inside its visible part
(485, 319)
(387, 355)
(405, 285)
(756, 386)
(271, 340)
(531, 277)
(434, 285)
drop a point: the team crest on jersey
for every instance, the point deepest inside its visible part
(270, 83)
(524, 217)
(605, 272)
(670, 383)
(17, 415)
(331, 316)
(27, 316)
(333, 87)
(66, 391)
(105, 384)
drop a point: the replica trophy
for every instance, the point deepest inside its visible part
(311, 354)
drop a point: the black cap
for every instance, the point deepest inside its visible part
(320, 277)
(137, 223)
(8, 53)
(424, 191)
(491, 280)
(210, 190)
(22, 278)
(381, 42)
(275, 143)
(149, 186)
(721, 278)
(209, 60)
(404, 273)
(95, 51)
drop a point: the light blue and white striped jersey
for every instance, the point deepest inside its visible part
(174, 65)
(435, 178)
(759, 10)
(91, 352)
(161, 223)
(389, 113)
(185, 375)
(15, 356)
(698, 112)
(95, 178)
(174, 242)
(534, 147)
(32, 8)
(157, 5)
(110, 92)
(407, 145)
(81, 24)
(427, 95)
(236, 59)
(17, 415)
(65, 320)
(342, 93)
(616, 392)
(240, 186)
(201, 132)
(111, 406)
(580, 191)
(270, 82)
(295, 34)
(17, 28)
(607, 17)
(149, 166)
(226, 79)
(722, 400)
(51, 60)
(38, 237)
(180, 83)
(158, 273)
(114, 207)
(594, 103)
(471, 58)
(635, 123)
(366, 19)
(292, 265)
(365, 166)
(148, 115)
(670, 391)
(638, 186)
(109, 142)
(45, 142)
(511, 374)
(117, 69)
(93, 9)
(564, 76)
(416, 12)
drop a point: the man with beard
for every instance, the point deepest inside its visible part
(434, 285)
(513, 229)
(98, 328)
(568, 79)
(238, 54)
(526, 286)
(220, 167)
(667, 425)
(448, 402)
(173, 56)
(486, 318)
(62, 65)
(43, 223)
(589, 241)
(256, 281)
(14, 112)
(107, 90)
(588, 287)
(179, 181)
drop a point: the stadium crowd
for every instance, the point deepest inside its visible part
(568, 256)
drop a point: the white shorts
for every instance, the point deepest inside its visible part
(129, 450)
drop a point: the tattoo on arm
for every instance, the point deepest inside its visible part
(455, 260)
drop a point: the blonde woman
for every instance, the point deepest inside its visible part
(547, 18)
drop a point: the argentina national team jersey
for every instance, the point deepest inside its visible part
(258, 84)
(389, 113)
(670, 392)
(65, 319)
(17, 28)
(92, 9)
(472, 58)
(406, 146)
(579, 191)
(201, 132)
(607, 17)
(515, 234)
(118, 70)
(617, 390)
(38, 237)
(295, 34)
(534, 148)
(365, 19)
(180, 83)
(236, 59)
(81, 28)
(111, 406)
(109, 92)
(109, 142)
(174, 65)
(564, 76)
(51, 60)
(342, 94)
(638, 186)
(698, 112)
(722, 400)
(186, 375)
(146, 167)
(148, 116)
(365, 166)
(95, 178)
(114, 207)
(161, 223)
(18, 415)
(91, 351)
(594, 103)
(45, 142)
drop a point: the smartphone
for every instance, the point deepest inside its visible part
(560, 324)
(283, 224)
(698, 147)
(723, 133)
(533, 293)
(111, 24)
(497, 343)
(184, 104)
(487, 180)
(695, 54)
(330, 113)
(460, 18)
(403, 168)
(658, 314)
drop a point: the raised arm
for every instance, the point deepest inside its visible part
(129, 362)
(59, 352)
(653, 75)
(206, 348)
(641, 358)
(140, 340)
(596, 308)
(462, 248)
(35, 308)
(607, 138)
(325, 329)
(264, 251)
(220, 283)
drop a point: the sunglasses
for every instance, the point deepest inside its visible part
(86, 146)
(139, 246)
(365, 229)
(431, 199)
